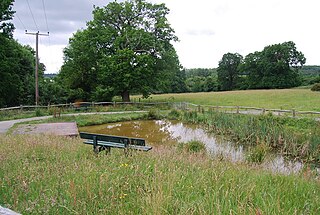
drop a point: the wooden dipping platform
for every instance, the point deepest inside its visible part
(59, 129)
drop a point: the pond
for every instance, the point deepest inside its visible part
(165, 132)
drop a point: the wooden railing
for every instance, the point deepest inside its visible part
(78, 104)
(245, 110)
(179, 105)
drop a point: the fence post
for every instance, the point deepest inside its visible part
(238, 110)
(198, 108)
(114, 104)
(294, 113)
(263, 111)
(21, 107)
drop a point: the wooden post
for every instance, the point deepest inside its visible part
(114, 104)
(263, 111)
(294, 113)
(198, 108)
(238, 110)
(95, 147)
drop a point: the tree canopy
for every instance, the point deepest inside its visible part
(17, 63)
(228, 71)
(6, 14)
(121, 51)
(276, 66)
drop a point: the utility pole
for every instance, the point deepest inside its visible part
(37, 34)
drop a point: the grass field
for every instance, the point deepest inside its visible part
(58, 175)
(299, 99)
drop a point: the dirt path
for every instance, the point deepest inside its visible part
(6, 125)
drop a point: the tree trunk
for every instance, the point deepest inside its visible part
(125, 96)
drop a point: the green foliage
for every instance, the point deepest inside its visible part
(153, 114)
(174, 114)
(228, 71)
(201, 80)
(201, 72)
(39, 112)
(257, 154)
(52, 92)
(17, 73)
(125, 49)
(316, 87)
(274, 67)
(194, 146)
(310, 75)
(6, 14)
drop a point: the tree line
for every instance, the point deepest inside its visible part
(127, 49)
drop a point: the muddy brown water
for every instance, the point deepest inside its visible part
(165, 132)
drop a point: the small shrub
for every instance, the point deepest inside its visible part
(258, 153)
(153, 114)
(174, 114)
(39, 112)
(191, 115)
(194, 146)
(316, 87)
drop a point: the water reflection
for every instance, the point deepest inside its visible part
(166, 132)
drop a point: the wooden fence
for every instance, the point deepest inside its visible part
(246, 110)
(82, 104)
(178, 105)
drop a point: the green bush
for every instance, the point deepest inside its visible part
(39, 112)
(257, 154)
(153, 114)
(194, 146)
(174, 114)
(316, 87)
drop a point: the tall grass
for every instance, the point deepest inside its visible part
(295, 138)
(57, 175)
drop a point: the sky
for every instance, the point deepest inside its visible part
(206, 29)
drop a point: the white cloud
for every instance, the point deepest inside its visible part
(207, 29)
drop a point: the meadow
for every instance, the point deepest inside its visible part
(59, 175)
(287, 99)
(43, 174)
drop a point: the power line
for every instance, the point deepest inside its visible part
(32, 16)
(24, 27)
(45, 15)
(46, 19)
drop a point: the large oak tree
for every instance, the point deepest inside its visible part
(122, 50)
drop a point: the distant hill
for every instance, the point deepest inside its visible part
(310, 71)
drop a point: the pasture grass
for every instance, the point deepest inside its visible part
(287, 99)
(60, 175)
